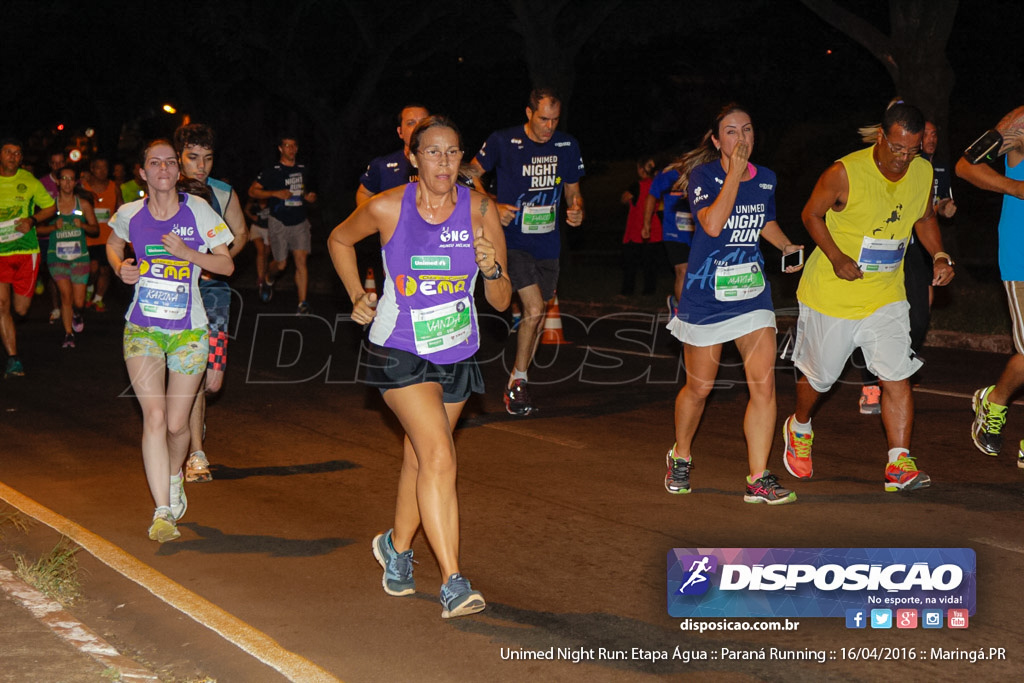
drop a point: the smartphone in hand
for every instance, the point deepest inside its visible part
(794, 259)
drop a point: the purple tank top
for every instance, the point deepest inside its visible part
(426, 306)
(167, 294)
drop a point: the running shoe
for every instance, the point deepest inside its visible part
(179, 501)
(303, 308)
(69, 341)
(54, 315)
(459, 599)
(267, 290)
(397, 566)
(197, 468)
(903, 475)
(99, 305)
(677, 479)
(517, 399)
(989, 418)
(163, 528)
(798, 450)
(77, 324)
(673, 306)
(870, 399)
(1020, 455)
(766, 489)
(14, 368)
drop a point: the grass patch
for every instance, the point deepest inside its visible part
(55, 574)
(13, 518)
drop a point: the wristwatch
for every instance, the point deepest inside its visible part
(498, 272)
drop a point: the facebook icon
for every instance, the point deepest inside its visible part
(856, 618)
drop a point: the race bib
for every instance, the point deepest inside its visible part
(684, 221)
(7, 231)
(68, 251)
(163, 299)
(102, 215)
(881, 256)
(441, 327)
(538, 219)
(738, 282)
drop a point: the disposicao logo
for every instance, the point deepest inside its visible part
(695, 581)
(817, 582)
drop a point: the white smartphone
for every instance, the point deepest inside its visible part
(794, 259)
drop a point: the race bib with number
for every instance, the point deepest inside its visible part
(102, 215)
(8, 232)
(538, 219)
(738, 282)
(881, 256)
(684, 221)
(441, 327)
(68, 251)
(163, 299)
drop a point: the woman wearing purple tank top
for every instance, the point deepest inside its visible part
(436, 237)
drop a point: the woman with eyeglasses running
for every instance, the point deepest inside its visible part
(436, 237)
(67, 257)
(166, 340)
(727, 298)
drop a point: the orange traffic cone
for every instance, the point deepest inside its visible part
(552, 333)
(370, 285)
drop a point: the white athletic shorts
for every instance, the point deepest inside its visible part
(721, 332)
(823, 345)
(1015, 297)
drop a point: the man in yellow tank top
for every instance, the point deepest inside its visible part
(861, 215)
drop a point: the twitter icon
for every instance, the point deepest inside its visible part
(881, 618)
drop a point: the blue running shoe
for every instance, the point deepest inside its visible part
(397, 566)
(14, 368)
(459, 599)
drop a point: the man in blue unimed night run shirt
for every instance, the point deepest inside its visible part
(535, 165)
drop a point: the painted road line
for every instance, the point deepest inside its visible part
(1002, 545)
(69, 629)
(631, 353)
(231, 628)
(522, 431)
(955, 394)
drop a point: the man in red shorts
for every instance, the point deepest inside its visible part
(24, 203)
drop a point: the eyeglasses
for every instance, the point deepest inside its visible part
(435, 154)
(899, 150)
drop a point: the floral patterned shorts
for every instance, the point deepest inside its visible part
(185, 351)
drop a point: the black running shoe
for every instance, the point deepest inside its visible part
(517, 399)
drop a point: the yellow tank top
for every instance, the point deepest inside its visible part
(873, 229)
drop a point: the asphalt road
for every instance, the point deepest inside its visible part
(565, 522)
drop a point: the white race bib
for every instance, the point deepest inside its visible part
(538, 219)
(7, 231)
(881, 256)
(102, 215)
(163, 299)
(684, 221)
(441, 327)
(738, 282)
(68, 251)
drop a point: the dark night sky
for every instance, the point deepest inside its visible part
(648, 80)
